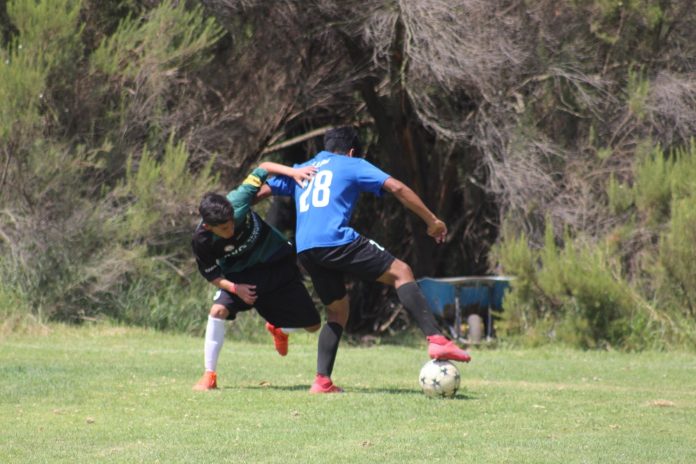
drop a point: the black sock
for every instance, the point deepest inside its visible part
(414, 301)
(329, 337)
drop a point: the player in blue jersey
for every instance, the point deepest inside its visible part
(252, 265)
(329, 248)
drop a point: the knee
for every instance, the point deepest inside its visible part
(313, 328)
(338, 313)
(402, 272)
(219, 311)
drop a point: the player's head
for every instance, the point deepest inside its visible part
(217, 214)
(342, 140)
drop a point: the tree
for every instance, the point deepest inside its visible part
(491, 110)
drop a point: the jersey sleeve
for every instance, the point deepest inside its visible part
(370, 178)
(243, 196)
(207, 265)
(281, 185)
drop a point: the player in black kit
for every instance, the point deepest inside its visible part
(252, 264)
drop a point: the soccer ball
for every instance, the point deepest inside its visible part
(439, 378)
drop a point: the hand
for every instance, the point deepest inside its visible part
(303, 175)
(438, 231)
(246, 292)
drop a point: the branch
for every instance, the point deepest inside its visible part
(296, 140)
(309, 135)
(5, 170)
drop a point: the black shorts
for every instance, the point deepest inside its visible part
(327, 266)
(282, 298)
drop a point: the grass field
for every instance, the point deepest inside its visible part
(123, 395)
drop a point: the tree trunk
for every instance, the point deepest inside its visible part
(401, 145)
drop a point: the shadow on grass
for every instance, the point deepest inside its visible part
(460, 396)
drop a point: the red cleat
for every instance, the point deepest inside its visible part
(324, 384)
(441, 348)
(207, 382)
(280, 339)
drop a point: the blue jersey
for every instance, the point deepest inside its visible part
(325, 206)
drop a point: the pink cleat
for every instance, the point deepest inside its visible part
(441, 348)
(323, 384)
(280, 339)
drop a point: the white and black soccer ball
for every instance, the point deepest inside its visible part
(439, 378)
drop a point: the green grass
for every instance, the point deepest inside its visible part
(124, 395)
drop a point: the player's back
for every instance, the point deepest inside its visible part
(326, 204)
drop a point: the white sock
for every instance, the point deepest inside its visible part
(289, 330)
(214, 338)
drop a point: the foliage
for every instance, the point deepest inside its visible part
(677, 258)
(638, 89)
(48, 41)
(145, 56)
(74, 246)
(160, 192)
(666, 183)
(168, 38)
(571, 113)
(573, 294)
(583, 293)
(619, 196)
(653, 189)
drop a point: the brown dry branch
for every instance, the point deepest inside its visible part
(672, 107)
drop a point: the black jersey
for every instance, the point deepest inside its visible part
(254, 241)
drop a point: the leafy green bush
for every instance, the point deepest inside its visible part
(620, 196)
(677, 258)
(683, 178)
(623, 290)
(90, 228)
(14, 309)
(135, 70)
(638, 89)
(47, 42)
(157, 290)
(653, 186)
(161, 192)
(661, 178)
(574, 294)
(672, 272)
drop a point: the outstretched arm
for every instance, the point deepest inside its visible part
(264, 192)
(436, 228)
(301, 175)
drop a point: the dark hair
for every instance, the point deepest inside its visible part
(215, 209)
(341, 140)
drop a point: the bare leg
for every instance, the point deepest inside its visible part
(400, 276)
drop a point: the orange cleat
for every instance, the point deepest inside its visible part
(280, 339)
(207, 382)
(441, 348)
(324, 384)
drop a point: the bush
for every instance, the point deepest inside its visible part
(90, 228)
(138, 70)
(622, 290)
(677, 258)
(653, 185)
(620, 196)
(46, 44)
(574, 294)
